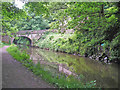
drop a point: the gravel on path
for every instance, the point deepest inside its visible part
(15, 75)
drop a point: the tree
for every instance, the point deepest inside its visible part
(33, 22)
(10, 13)
(57, 12)
(94, 23)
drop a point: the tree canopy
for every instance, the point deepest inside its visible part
(94, 23)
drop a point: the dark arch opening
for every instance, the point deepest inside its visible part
(22, 40)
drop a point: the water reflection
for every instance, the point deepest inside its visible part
(105, 75)
(65, 70)
(61, 67)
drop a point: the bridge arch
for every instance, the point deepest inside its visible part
(24, 37)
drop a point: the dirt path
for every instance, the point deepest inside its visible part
(14, 75)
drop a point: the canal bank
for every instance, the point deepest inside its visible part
(70, 43)
(105, 75)
(60, 80)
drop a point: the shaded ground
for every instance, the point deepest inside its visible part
(14, 75)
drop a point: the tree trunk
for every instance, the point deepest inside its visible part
(102, 10)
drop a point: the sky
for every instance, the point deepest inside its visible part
(19, 4)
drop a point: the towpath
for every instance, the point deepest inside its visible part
(14, 75)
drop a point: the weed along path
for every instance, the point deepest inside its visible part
(14, 75)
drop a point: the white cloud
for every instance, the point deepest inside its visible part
(19, 4)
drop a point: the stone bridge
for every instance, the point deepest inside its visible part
(31, 35)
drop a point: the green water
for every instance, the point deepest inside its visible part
(106, 76)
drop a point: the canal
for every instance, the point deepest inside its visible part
(106, 75)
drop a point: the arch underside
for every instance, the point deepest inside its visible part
(15, 41)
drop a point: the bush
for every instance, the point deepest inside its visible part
(87, 43)
(51, 37)
(115, 48)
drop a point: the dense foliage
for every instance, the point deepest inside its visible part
(33, 23)
(15, 19)
(10, 14)
(96, 24)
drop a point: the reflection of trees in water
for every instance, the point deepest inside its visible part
(36, 57)
(65, 63)
(64, 69)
